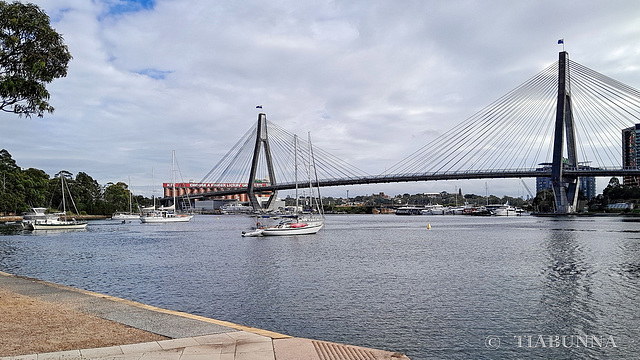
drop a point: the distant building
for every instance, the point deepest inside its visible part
(631, 153)
(587, 183)
(381, 195)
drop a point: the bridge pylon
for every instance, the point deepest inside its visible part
(262, 140)
(565, 188)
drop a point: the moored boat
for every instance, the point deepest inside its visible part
(309, 222)
(409, 210)
(436, 209)
(254, 233)
(124, 216)
(37, 213)
(166, 214)
(39, 220)
(294, 227)
(502, 210)
(57, 221)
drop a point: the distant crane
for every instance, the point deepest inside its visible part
(526, 187)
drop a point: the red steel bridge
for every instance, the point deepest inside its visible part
(566, 115)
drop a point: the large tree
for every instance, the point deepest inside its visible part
(32, 54)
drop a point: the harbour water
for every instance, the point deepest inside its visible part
(468, 288)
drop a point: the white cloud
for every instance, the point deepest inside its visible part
(373, 80)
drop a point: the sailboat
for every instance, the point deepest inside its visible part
(166, 214)
(309, 222)
(56, 221)
(126, 216)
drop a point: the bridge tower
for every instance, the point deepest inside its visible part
(566, 197)
(262, 139)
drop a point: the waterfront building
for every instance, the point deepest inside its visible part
(192, 188)
(587, 183)
(631, 153)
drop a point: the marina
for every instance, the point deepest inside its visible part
(380, 281)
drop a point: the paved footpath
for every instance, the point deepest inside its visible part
(192, 337)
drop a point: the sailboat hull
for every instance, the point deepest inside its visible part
(60, 226)
(291, 229)
(127, 217)
(167, 219)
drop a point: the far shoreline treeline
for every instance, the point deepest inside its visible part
(22, 189)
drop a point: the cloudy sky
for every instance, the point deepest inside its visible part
(373, 80)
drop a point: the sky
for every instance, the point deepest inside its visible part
(372, 80)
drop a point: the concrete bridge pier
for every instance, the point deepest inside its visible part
(565, 188)
(262, 140)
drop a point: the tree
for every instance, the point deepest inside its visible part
(10, 188)
(36, 188)
(32, 54)
(544, 201)
(117, 195)
(614, 182)
(85, 191)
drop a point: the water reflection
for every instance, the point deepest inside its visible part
(629, 253)
(566, 305)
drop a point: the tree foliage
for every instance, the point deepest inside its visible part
(615, 192)
(32, 54)
(22, 189)
(544, 202)
(118, 196)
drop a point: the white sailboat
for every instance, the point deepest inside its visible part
(55, 221)
(306, 223)
(166, 214)
(126, 216)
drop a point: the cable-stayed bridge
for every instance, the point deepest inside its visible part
(567, 116)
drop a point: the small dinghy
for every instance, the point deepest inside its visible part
(257, 232)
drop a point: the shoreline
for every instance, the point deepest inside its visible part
(112, 318)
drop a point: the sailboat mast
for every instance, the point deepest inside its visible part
(64, 205)
(153, 194)
(173, 178)
(130, 206)
(309, 171)
(312, 160)
(295, 169)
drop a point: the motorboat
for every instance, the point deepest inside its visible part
(409, 210)
(235, 208)
(501, 210)
(36, 213)
(164, 216)
(435, 210)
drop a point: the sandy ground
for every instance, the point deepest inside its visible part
(29, 326)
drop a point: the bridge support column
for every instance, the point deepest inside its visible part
(566, 197)
(261, 140)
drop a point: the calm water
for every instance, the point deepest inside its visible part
(469, 288)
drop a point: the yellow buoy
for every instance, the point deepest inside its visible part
(429, 226)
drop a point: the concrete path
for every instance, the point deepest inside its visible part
(192, 337)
